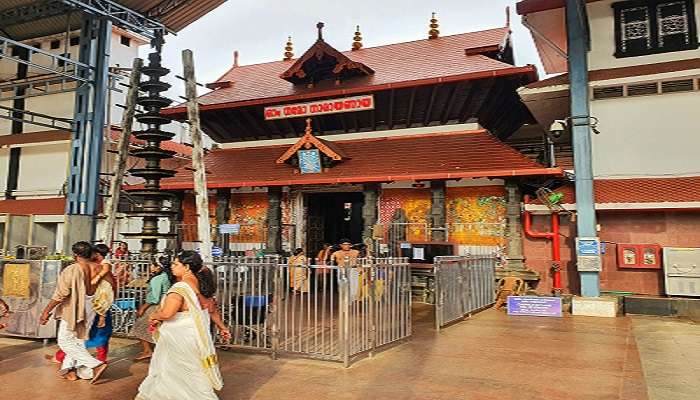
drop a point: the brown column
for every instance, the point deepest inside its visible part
(370, 215)
(223, 210)
(514, 233)
(274, 220)
(438, 211)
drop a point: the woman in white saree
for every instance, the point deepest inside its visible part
(184, 365)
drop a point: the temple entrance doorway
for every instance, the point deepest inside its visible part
(331, 217)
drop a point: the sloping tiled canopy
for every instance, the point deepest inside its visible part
(447, 80)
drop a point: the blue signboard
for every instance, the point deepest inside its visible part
(534, 306)
(309, 161)
(230, 228)
(588, 247)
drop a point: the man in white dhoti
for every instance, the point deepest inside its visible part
(72, 301)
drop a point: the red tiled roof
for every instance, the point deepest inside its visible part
(644, 190)
(452, 155)
(54, 206)
(623, 72)
(417, 62)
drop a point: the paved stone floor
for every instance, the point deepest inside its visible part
(490, 356)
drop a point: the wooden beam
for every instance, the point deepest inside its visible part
(343, 121)
(292, 130)
(489, 106)
(224, 118)
(390, 119)
(256, 124)
(429, 107)
(472, 88)
(200, 176)
(112, 201)
(411, 102)
(450, 101)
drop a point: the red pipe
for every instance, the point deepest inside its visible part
(554, 237)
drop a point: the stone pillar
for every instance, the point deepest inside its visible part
(274, 220)
(370, 214)
(438, 211)
(223, 211)
(514, 259)
(514, 233)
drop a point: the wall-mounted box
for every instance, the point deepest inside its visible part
(639, 256)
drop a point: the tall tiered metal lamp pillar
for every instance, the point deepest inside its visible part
(152, 195)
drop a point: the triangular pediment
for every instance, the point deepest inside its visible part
(321, 61)
(329, 150)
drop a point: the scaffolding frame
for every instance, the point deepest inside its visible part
(90, 75)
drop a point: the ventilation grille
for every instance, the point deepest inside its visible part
(642, 89)
(646, 88)
(607, 92)
(683, 85)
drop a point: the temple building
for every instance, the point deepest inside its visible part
(396, 143)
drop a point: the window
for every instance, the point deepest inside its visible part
(126, 41)
(654, 26)
(55, 44)
(75, 40)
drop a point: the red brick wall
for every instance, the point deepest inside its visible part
(667, 228)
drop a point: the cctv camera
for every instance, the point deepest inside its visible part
(557, 128)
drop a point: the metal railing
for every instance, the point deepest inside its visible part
(312, 310)
(463, 286)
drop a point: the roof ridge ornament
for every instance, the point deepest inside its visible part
(357, 39)
(320, 26)
(288, 50)
(433, 33)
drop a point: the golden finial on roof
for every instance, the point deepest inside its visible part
(308, 129)
(288, 50)
(433, 33)
(357, 39)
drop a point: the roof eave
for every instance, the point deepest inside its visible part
(529, 71)
(503, 173)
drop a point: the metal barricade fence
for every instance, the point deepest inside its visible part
(131, 276)
(463, 285)
(312, 310)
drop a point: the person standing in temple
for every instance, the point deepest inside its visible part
(298, 271)
(72, 300)
(105, 291)
(346, 258)
(158, 285)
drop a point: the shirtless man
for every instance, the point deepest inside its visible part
(349, 255)
(345, 252)
(72, 301)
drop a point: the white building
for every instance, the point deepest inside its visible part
(644, 69)
(34, 160)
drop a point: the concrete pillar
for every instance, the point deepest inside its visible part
(514, 233)
(77, 228)
(438, 211)
(370, 213)
(274, 220)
